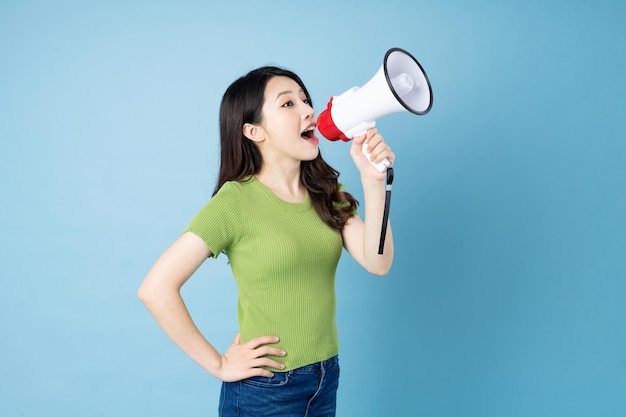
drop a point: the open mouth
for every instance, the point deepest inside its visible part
(309, 133)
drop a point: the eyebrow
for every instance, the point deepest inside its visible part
(282, 93)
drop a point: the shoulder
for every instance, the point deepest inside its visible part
(235, 187)
(232, 194)
(231, 191)
(227, 198)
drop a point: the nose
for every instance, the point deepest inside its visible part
(309, 112)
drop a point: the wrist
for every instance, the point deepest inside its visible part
(218, 366)
(374, 181)
(213, 365)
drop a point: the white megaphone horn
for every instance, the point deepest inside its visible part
(400, 85)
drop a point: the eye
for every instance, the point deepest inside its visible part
(287, 104)
(308, 101)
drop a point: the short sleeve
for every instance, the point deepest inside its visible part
(218, 223)
(341, 189)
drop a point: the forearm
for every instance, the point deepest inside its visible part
(374, 205)
(170, 312)
(160, 292)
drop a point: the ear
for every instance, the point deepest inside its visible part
(253, 132)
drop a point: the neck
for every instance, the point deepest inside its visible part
(283, 181)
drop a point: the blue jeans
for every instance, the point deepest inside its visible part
(310, 391)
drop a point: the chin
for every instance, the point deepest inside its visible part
(312, 156)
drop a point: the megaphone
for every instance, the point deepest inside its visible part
(400, 85)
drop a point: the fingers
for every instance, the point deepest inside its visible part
(359, 139)
(261, 372)
(377, 147)
(260, 362)
(259, 347)
(261, 350)
(266, 350)
(244, 360)
(262, 340)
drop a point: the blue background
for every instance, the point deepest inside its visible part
(508, 294)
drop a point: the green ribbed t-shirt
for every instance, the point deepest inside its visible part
(284, 259)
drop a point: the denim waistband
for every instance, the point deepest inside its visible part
(334, 361)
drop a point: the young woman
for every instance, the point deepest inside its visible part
(281, 217)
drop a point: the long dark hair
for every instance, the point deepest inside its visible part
(240, 157)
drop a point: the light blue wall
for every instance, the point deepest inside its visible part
(508, 293)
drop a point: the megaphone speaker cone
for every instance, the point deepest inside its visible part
(400, 85)
(401, 67)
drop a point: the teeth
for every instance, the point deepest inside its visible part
(310, 129)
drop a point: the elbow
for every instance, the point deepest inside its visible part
(143, 294)
(146, 294)
(381, 265)
(154, 294)
(149, 298)
(380, 270)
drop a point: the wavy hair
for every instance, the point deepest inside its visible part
(240, 157)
